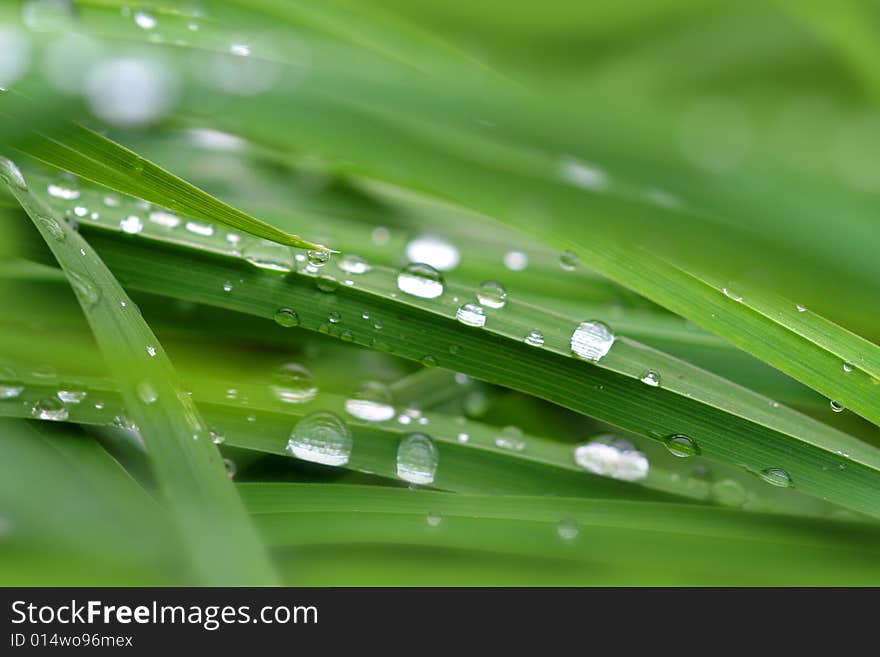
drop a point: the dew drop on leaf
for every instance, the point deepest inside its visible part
(417, 459)
(321, 438)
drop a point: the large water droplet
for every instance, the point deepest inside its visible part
(293, 384)
(592, 340)
(372, 402)
(286, 317)
(511, 438)
(147, 392)
(132, 224)
(651, 378)
(321, 438)
(85, 288)
(354, 264)
(317, 258)
(417, 459)
(50, 408)
(71, 396)
(471, 314)
(680, 445)
(11, 174)
(612, 457)
(433, 250)
(269, 255)
(492, 295)
(534, 338)
(777, 477)
(420, 280)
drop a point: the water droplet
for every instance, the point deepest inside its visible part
(132, 225)
(286, 317)
(420, 280)
(50, 408)
(11, 174)
(144, 19)
(837, 407)
(326, 283)
(777, 477)
(334, 317)
(582, 174)
(729, 492)
(567, 529)
(10, 392)
(511, 438)
(417, 459)
(568, 260)
(164, 219)
(471, 314)
(429, 361)
(227, 287)
(534, 338)
(71, 396)
(516, 260)
(151, 350)
(380, 235)
(651, 378)
(51, 226)
(216, 437)
(680, 445)
(433, 250)
(147, 392)
(612, 457)
(730, 294)
(317, 258)
(205, 230)
(800, 308)
(80, 211)
(492, 294)
(269, 255)
(592, 340)
(110, 201)
(433, 519)
(847, 366)
(293, 384)
(321, 438)
(462, 437)
(64, 190)
(372, 402)
(85, 288)
(354, 264)
(229, 465)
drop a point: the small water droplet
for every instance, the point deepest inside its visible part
(462, 437)
(71, 396)
(269, 255)
(433, 250)
(11, 174)
(372, 402)
(380, 236)
(52, 227)
(433, 519)
(516, 260)
(612, 457)
(227, 287)
(321, 438)
(800, 308)
(730, 294)
(317, 258)
(837, 407)
(334, 317)
(592, 340)
(50, 408)
(417, 459)
(145, 19)
(132, 224)
(293, 384)
(681, 446)
(651, 378)
(326, 283)
(151, 350)
(354, 264)
(216, 437)
(286, 317)
(492, 295)
(777, 477)
(729, 492)
(164, 219)
(110, 201)
(420, 280)
(85, 288)
(429, 361)
(65, 189)
(147, 392)
(567, 529)
(534, 338)
(511, 438)
(847, 366)
(471, 314)
(10, 392)
(568, 260)
(197, 228)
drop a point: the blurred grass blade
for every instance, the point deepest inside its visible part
(222, 545)
(83, 152)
